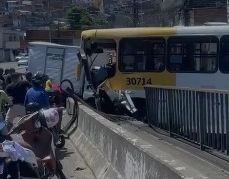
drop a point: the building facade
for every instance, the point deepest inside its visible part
(192, 12)
(10, 43)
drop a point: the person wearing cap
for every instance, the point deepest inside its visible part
(37, 94)
(16, 90)
(37, 137)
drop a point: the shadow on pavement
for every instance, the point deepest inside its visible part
(63, 152)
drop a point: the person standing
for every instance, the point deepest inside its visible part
(8, 78)
(17, 90)
(28, 76)
(2, 79)
(4, 99)
(58, 102)
(6, 72)
(47, 85)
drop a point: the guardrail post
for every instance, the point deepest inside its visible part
(227, 122)
(171, 111)
(147, 106)
(202, 117)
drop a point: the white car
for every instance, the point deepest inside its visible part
(21, 56)
(23, 62)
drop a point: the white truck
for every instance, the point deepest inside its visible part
(59, 62)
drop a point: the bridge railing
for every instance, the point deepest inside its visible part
(200, 116)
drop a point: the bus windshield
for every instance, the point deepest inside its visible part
(100, 59)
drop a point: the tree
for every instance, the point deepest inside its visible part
(80, 19)
(100, 22)
(111, 19)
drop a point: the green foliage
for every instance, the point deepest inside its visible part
(100, 22)
(80, 19)
(111, 18)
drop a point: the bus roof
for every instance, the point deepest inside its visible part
(155, 31)
(41, 43)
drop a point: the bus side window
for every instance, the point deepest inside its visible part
(142, 55)
(224, 54)
(192, 54)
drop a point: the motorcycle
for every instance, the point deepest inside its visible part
(17, 169)
(42, 172)
(14, 168)
(59, 139)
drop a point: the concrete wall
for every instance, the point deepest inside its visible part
(117, 151)
(12, 45)
(110, 152)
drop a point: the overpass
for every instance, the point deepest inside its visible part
(187, 137)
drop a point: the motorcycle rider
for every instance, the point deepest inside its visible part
(37, 94)
(37, 137)
(53, 89)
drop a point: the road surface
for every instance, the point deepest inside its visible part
(73, 164)
(8, 65)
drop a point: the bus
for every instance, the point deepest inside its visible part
(196, 57)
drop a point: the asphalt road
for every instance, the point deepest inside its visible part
(8, 65)
(73, 164)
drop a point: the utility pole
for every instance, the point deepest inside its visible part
(58, 28)
(49, 22)
(135, 13)
(227, 11)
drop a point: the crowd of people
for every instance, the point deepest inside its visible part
(18, 91)
(22, 89)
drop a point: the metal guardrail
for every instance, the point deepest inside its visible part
(200, 116)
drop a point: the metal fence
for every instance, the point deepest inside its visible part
(201, 116)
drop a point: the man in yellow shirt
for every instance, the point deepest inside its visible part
(47, 83)
(4, 99)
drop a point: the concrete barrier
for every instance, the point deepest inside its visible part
(115, 151)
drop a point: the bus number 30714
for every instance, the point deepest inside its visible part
(138, 81)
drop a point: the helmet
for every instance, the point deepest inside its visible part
(38, 78)
(48, 117)
(32, 107)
